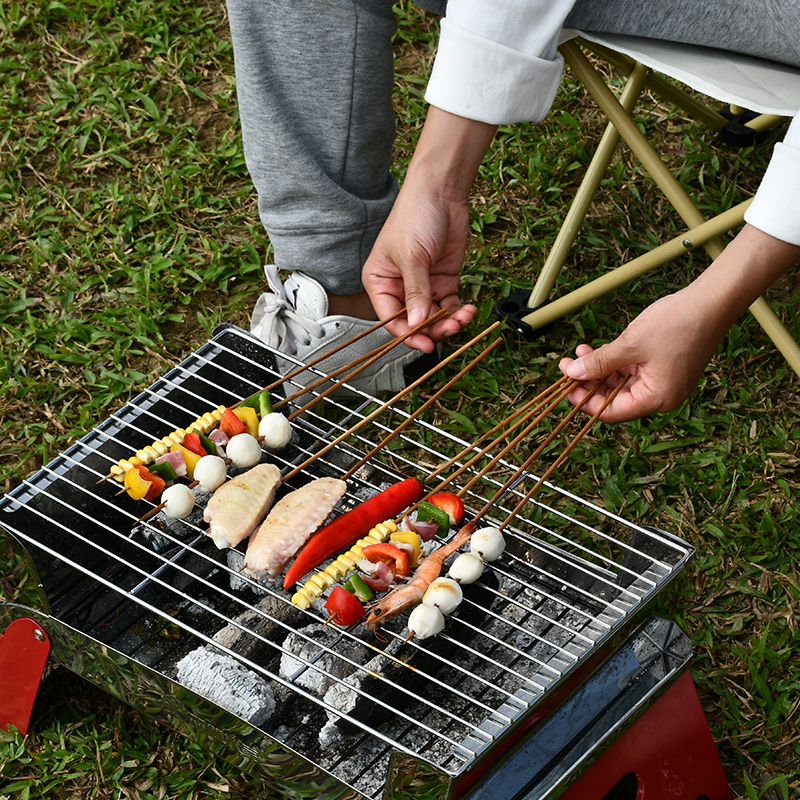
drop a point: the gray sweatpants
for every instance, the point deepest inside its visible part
(314, 83)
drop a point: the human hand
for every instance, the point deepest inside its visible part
(664, 350)
(416, 262)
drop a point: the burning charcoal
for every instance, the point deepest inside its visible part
(225, 681)
(299, 651)
(424, 658)
(235, 559)
(246, 633)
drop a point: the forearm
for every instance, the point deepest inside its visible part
(448, 154)
(748, 266)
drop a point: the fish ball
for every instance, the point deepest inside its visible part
(488, 543)
(178, 500)
(210, 473)
(243, 450)
(425, 621)
(275, 430)
(466, 568)
(445, 594)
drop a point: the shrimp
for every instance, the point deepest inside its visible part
(411, 593)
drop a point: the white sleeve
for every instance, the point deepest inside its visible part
(776, 206)
(498, 62)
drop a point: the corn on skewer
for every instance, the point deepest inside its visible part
(336, 570)
(205, 423)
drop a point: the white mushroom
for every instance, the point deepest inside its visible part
(275, 430)
(178, 500)
(488, 543)
(425, 621)
(466, 568)
(445, 594)
(244, 450)
(210, 473)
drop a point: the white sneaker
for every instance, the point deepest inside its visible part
(293, 319)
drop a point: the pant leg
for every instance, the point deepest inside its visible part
(764, 28)
(314, 85)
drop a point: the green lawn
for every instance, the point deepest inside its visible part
(129, 229)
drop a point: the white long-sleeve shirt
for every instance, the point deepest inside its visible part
(502, 66)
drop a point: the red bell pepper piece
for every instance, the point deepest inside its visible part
(391, 555)
(230, 424)
(451, 504)
(351, 526)
(191, 441)
(157, 483)
(343, 607)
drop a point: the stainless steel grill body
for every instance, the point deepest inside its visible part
(553, 636)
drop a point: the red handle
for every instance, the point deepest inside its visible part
(24, 648)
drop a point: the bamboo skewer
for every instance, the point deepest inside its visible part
(402, 393)
(382, 349)
(515, 415)
(363, 363)
(429, 402)
(441, 313)
(518, 473)
(617, 389)
(302, 367)
(550, 401)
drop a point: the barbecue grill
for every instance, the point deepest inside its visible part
(549, 659)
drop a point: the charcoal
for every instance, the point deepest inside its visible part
(424, 658)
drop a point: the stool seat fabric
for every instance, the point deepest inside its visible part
(753, 83)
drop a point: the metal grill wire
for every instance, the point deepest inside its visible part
(563, 586)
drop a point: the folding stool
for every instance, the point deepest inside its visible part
(747, 84)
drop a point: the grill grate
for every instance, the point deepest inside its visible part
(572, 579)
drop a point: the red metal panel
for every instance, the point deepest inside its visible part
(669, 749)
(24, 648)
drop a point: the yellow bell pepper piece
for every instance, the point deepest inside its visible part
(408, 537)
(189, 457)
(249, 417)
(136, 485)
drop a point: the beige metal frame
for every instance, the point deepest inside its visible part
(701, 232)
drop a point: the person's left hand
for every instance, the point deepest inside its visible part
(664, 351)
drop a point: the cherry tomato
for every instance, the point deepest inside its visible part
(451, 503)
(343, 607)
(391, 555)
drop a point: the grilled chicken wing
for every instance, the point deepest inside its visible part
(293, 519)
(237, 507)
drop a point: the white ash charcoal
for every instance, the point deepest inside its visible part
(329, 735)
(229, 684)
(298, 651)
(342, 696)
(345, 696)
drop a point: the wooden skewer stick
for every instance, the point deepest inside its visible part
(318, 359)
(581, 433)
(513, 420)
(370, 359)
(550, 403)
(380, 350)
(525, 465)
(402, 393)
(430, 401)
(549, 398)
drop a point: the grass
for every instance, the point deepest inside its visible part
(129, 229)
